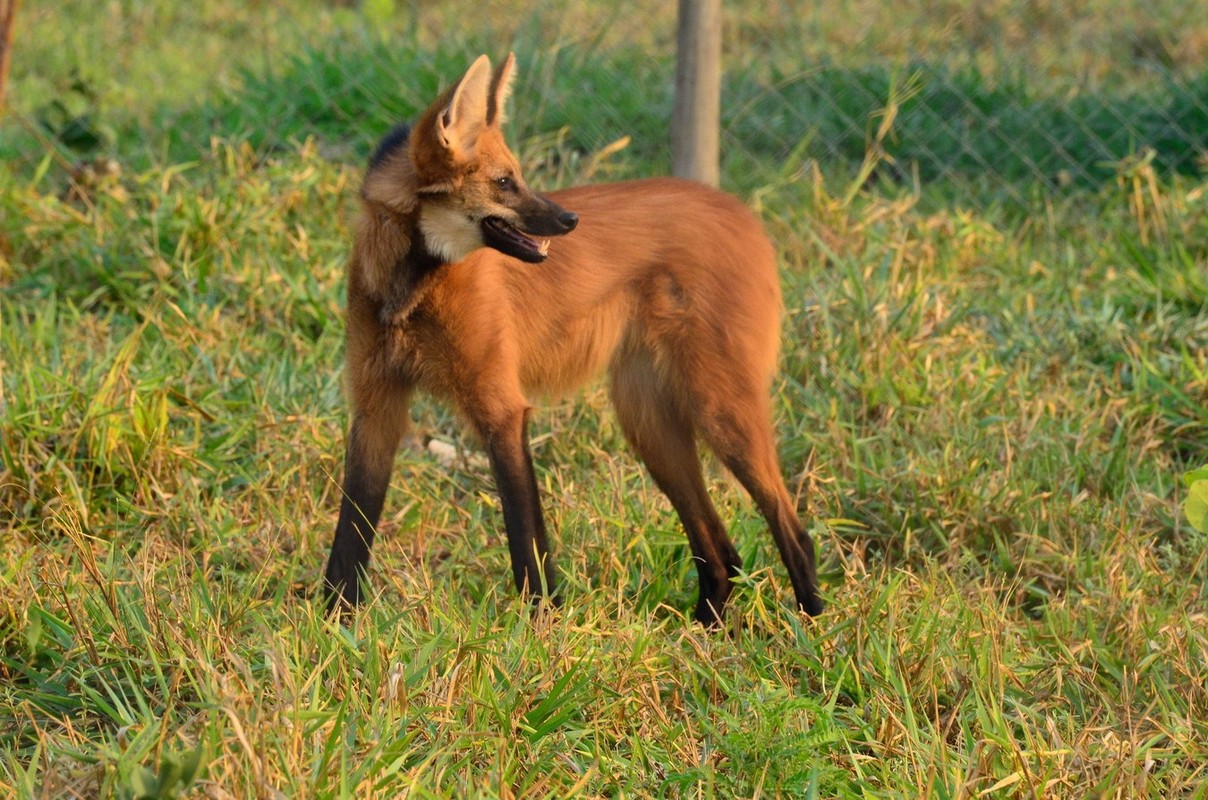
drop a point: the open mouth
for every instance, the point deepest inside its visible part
(508, 239)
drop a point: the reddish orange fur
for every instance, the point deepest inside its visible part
(669, 286)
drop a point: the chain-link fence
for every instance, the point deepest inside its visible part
(997, 100)
(992, 99)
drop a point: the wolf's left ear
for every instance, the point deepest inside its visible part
(501, 87)
(459, 124)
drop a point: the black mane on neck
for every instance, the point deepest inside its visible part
(393, 142)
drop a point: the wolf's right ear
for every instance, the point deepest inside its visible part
(458, 126)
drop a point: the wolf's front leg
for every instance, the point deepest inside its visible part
(512, 464)
(373, 440)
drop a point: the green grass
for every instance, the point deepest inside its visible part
(986, 405)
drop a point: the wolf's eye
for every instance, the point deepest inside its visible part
(506, 183)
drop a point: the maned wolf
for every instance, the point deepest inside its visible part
(453, 288)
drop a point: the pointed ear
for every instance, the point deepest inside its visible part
(458, 126)
(501, 87)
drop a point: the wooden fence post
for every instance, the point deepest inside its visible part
(694, 126)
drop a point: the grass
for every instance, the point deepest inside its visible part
(985, 408)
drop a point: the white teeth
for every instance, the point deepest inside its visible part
(543, 247)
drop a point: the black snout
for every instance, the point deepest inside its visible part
(568, 220)
(544, 217)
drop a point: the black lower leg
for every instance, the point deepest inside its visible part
(797, 551)
(365, 486)
(717, 564)
(512, 465)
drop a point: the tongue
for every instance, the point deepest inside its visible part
(518, 237)
(513, 241)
